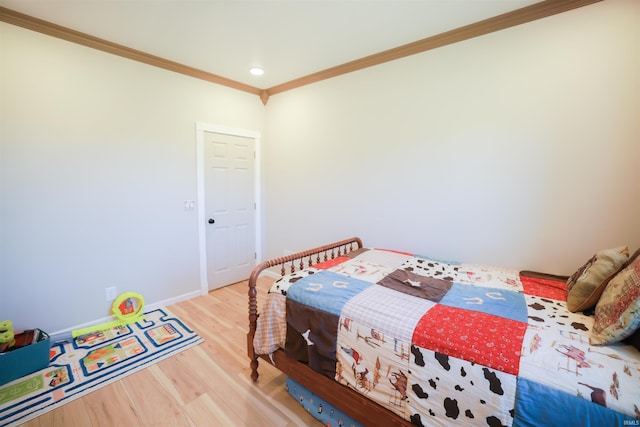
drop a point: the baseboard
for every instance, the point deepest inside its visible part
(65, 334)
(173, 300)
(272, 274)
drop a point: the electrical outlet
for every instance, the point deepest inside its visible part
(110, 293)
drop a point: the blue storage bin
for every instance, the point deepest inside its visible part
(25, 360)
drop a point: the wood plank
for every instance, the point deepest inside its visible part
(71, 414)
(208, 384)
(110, 406)
(204, 411)
(149, 397)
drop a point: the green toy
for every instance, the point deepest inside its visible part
(126, 311)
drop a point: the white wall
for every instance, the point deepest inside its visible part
(519, 148)
(98, 155)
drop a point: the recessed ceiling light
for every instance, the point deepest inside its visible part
(256, 71)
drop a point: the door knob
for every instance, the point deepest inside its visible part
(211, 220)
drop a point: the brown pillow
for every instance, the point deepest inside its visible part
(587, 284)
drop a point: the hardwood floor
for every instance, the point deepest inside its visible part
(206, 385)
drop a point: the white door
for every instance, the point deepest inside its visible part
(229, 207)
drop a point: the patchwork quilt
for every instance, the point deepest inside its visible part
(442, 343)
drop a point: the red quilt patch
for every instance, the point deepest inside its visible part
(324, 265)
(544, 288)
(478, 337)
(394, 251)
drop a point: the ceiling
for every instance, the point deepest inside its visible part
(288, 38)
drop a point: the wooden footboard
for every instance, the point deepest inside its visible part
(290, 264)
(342, 397)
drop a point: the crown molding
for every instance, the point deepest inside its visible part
(45, 27)
(507, 20)
(520, 16)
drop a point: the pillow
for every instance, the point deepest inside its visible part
(586, 285)
(618, 311)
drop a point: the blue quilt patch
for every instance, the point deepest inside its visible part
(499, 302)
(537, 404)
(326, 290)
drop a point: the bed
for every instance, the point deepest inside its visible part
(394, 338)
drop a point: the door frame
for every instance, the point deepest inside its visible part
(201, 128)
